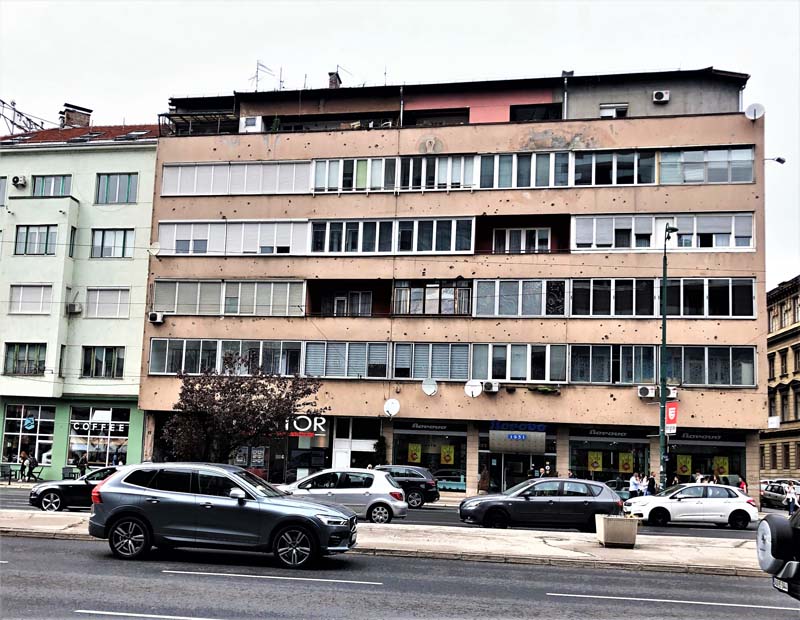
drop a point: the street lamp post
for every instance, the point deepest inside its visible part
(662, 388)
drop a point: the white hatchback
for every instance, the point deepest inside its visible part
(704, 503)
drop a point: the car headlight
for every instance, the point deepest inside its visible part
(331, 520)
(471, 505)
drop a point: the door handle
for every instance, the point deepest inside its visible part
(330, 493)
(208, 505)
(550, 501)
(152, 500)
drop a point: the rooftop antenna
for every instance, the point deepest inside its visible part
(280, 79)
(384, 75)
(305, 79)
(19, 121)
(260, 68)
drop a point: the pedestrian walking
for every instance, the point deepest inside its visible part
(542, 473)
(716, 480)
(791, 498)
(571, 474)
(633, 485)
(651, 484)
(82, 463)
(675, 481)
(698, 477)
(743, 485)
(483, 481)
(23, 468)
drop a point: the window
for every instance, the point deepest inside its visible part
(215, 485)
(784, 406)
(103, 362)
(221, 179)
(771, 366)
(100, 434)
(521, 240)
(73, 233)
(786, 455)
(520, 297)
(36, 240)
(29, 429)
(172, 481)
(712, 297)
(519, 362)
(695, 231)
(613, 110)
(232, 238)
(58, 185)
(734, 366)
(448, 297)
(590, 363)
(117, 188)
(796, 369)
(112, 243)
(107, 303)
(24, 358)
(343, 359)
(2, 191)
(438, 361)
(773, 456)
(30, 299)
(707, 166)
(784, 362)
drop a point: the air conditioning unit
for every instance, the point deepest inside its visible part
(157, 318)
(19, 181)
(646, 391)
(660, 96)
(74, 308)
(672, 392)
(491, 386)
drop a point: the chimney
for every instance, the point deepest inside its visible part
(334, 81)
(74, 116)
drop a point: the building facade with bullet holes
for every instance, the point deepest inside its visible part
(473, 269)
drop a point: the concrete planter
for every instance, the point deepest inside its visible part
(616, 531)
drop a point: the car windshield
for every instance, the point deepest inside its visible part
(670, 490)
(262, 487)
(517, 487)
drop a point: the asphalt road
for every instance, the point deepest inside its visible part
(75, 579)
(17, 499)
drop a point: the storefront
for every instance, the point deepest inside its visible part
(439, 446)
(516, 451)
(711, 452)
(59, 432)
(604, 453)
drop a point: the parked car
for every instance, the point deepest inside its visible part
(214, 506)
(543, 501)
(705, 503)
(370, 493)
(418, 483)
(451, 479)
(773, 495)
(53, 495)
(778, 551)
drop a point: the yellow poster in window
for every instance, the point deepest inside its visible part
(595, 461)
(721, 465)
(626, 462)
(448, 453)
(684, 464)
(414, 453)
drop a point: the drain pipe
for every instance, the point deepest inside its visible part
(566, 75)
(401, 106)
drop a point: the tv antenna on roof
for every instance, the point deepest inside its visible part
(261, 68)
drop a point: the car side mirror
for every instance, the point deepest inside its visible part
(237, 493)
(679, 497)
(287, 492)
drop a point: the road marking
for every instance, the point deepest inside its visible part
(189, 572)
(3, 561)
(667, 600)
(94, 612)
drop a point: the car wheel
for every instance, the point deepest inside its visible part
(415, 499)
(774, 543)
(52, 502)
(658, 517)
(739, 520)
(496, 518)
(295, 547)
(380, 513)
(129, 538)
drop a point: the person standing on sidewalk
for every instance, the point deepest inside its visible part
(791, 498)
(633, 485)
(483, 481)
(23, 468)
(651, 484)
(82, 463)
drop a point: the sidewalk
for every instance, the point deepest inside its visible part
(676, 554)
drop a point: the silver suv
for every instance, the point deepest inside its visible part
(214, 506)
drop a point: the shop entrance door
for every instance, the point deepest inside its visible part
(509, 469)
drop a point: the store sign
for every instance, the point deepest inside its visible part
(432, 427)
(626, 462)
(414, 453)
(684, 464)
(306, 426)
(518, 426)
(515, 442)
(612, 434)
(94, 427)
(595, 461)
(721, 465)
(671, 418)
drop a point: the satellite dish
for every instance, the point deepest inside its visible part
(754, 111)
(154, 248)
(473, 388)
(391, 407)
(429, 387)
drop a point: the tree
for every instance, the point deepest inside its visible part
(218, 412)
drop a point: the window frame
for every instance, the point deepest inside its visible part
(102, 183)
(116, 372)
(42, 310)
(120, 304)
(64, 189)
(49, 244)
(40, 359)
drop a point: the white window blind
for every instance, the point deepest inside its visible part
(315, 359)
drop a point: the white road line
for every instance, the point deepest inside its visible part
(668, 600)
(3, 561)
(189, 572)
(95, 612)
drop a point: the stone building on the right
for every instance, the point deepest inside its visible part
(780, 446)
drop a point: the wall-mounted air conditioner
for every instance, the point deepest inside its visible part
(74, 308)
(660, 96)
(646, 391)
(491, 387)
(155, 317)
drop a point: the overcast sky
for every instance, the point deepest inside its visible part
(125, 59)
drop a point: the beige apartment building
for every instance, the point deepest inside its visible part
(505, 233)
(780, 445)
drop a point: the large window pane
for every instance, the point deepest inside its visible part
(504, 172)
(532, 297)
(718, 297)
(487, 171)
(485, 296)
(542, 169)
(694, 365)
(580, 362)
(601, 302)
(625, 168)
(519, 366)
(538, 362)
(743, 372)
(583, 169)
(719, 366)
(480, 361)
(743, 300)
(556, 291)
(693, 298)
(601, 364)
(444, 235)
(645, 297)
(421, 361)
(581, 296)
(425, 236)
(509, 298)
(463, 235)
(499, 358)
(561, 172)
(603, 163)
(524, 170)
(558, 362)
(623, 297)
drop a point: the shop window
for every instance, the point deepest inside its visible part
(29, 429)
(365, 428)
(99, 433)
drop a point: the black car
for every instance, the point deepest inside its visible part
(567, 502)
(778, 551)
(418, 483)
(53, 496)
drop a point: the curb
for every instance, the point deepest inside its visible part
(691, 569)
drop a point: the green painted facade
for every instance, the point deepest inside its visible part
(61, 432)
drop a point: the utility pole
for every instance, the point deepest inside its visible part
(662, 388)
